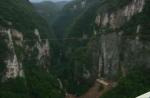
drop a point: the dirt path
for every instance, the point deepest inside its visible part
(93, 92)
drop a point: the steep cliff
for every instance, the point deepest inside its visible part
(96, 39)
(111, 40)
(25, 53)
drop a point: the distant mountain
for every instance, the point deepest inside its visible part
(49, 10)
(69, 14)
(61, 4)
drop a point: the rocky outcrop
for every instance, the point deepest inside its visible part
(14, 68)
(18, 48)
(43, 50)
(83, 3)
(42, 45)
(118, 18)
(79, 5)
(13, 64)
(109, 55)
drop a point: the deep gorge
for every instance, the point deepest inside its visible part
(55, 50)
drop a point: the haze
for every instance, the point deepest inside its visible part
(48, 0)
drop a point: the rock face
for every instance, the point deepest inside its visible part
(13, 64)
(111, 42)
(43, 50)
(111, 50)
(118, 18)
(109, 58)
(14, 68)
(18, 48)
(83, 3)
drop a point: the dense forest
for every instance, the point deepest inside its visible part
(76, 49)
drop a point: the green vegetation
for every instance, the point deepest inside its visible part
(136, 82)
(40, 84)
(133, 85)
(141, 19)
(49, 10)
(78, 53)
(3, 54)
(71, 59)
(19, 12)
(14, 88)
(37, 83)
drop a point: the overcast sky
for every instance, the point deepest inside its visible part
(48, 0)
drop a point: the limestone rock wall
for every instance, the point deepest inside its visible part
(118, 18)
(109, 58)
(112, 43)
(20, 50)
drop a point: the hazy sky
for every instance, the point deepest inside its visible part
(48, 0)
